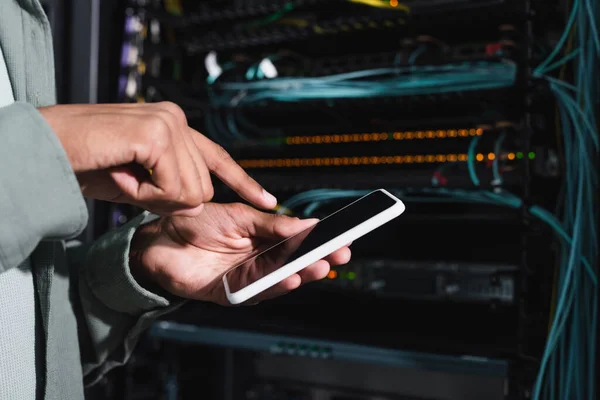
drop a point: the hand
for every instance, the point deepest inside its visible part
(113, 147)
(187, 256)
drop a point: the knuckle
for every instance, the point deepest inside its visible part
(196, 195)
(156, 130)
(222, 155)
(150, 138)
(208, 193)
(174, 192)
(174, 110)
(168, 118)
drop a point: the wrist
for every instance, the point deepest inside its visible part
(52, 116)
(142, 239)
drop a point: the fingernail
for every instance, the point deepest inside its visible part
(271, 200)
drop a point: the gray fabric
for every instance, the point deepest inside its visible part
(84, 322)
(6, 94)
(33, 159)
(17, 356)
(17, 292)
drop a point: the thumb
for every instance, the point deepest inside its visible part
(129, 178)
(292, 226)
(281, 226)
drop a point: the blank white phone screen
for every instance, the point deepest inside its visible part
(307, 240)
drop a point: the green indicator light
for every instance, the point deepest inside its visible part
(351, 275)
(519, 155)
(531, 155)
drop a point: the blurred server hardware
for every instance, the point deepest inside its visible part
(434, 281)
(480, 115)
(264, 366)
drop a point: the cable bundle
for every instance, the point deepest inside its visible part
(224, 122)
(567, 369)
(383, 82)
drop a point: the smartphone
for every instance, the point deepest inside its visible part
(297, 252)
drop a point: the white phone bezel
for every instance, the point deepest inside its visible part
(316, 254)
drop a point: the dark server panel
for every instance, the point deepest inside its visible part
(183, 370)
(462, 108)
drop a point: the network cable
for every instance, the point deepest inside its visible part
(568, 364)
(397, 81)
(471, 160)
(567, 368)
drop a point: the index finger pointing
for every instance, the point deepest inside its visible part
(220, 163)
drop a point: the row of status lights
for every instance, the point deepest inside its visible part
(378, 137)
(334, 274)
(375, 160)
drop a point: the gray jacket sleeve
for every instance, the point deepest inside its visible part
(39, 194)
(40, 199)
(115, 308)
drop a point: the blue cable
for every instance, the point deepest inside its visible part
(563, 38)
(562, 303)
(584, 118)
(561, 83)
(578, 165)
(551, 389)
(441, 78)
(571, 386)
(403, 81)
(415, 54)
(251, 73)
(588, 80)
(480, 70)
(593, 342)
(592, 25)
(557, 64)
(471, 161)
